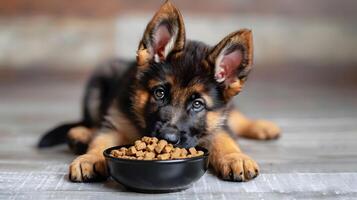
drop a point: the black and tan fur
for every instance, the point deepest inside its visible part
(179, 90)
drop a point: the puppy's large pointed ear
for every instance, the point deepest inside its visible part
(164, 35)
(232, 59)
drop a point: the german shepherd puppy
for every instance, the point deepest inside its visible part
(179, 90)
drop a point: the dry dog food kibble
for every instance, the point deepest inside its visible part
(150, 148)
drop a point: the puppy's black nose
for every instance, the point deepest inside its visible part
(170, 134)
(171, 138)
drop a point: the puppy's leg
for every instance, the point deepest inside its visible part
(254, 129)
(228, 161)
(79, 138)
(91, 166)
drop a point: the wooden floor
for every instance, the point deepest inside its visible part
(316, 157)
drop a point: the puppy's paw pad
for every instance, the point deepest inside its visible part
(264, 130)
(88, 167)
(237, 167)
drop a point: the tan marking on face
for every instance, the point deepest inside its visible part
(199, 88)
(170, 79)
(152, 83)
(208, 99)
(232, 89)
(213, 120)
(141, 97)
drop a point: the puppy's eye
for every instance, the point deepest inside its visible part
(159, 93)
(198, 105)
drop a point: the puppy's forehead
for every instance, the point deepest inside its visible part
(180, 94)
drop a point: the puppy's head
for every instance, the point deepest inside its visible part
(183, 86)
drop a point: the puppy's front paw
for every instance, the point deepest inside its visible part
(88, 167)
(263, 130)
(236, 167)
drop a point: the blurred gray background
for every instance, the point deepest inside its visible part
(294, 40)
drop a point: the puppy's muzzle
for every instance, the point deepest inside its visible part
(169, 133)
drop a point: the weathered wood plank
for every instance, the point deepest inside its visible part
(53, 181)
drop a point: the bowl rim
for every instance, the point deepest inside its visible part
(106, 154)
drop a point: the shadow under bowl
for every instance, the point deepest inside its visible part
(156, 176)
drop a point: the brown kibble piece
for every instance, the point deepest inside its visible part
(160, 146)
(117, 153)
(167, 149)
(164, 156)
(176, 153)
(146, 139)
(131, 151)
(149, 155)
(183, 152)
(139, 145)
(150, 147)
(149, 140)
(177, 150)
(199, 153)
(114, 152)
(139, 154)
(192, 150)
(154, 140)
(124, 150)
(158, 149)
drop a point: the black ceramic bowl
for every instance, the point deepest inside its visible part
(155, 176)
